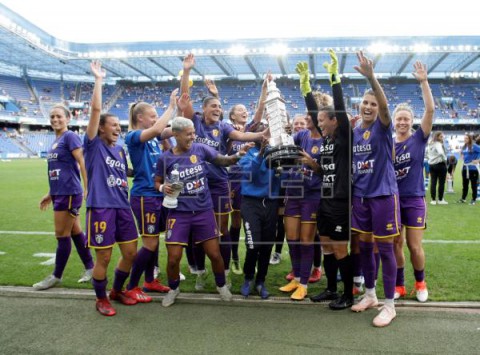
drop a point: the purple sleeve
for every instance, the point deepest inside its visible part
(209, 153)
(420, 135)
(226, 130)
(73, 141)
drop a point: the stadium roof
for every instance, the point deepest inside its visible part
(25, 49)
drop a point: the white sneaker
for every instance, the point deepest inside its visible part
(87, 276)
(201, 280)
(182, 277)
(365, 303)
(442, 202)
(385, 317)
(433, 202)
(275, 258)
(225, 293)
(47, 283)
(170, 297)
(421, 291)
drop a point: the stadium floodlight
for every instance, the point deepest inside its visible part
(379, 48)
(117, 54)
(278, 49)
(237, 50)
(421, 48)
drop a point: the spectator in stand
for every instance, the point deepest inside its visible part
(437, 160)
(65, 165)
(470, 170)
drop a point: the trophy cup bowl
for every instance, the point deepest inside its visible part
(171, 201)
(282, 152)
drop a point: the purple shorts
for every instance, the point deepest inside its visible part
(201, 226)
(306, 210)
(150, 216)
(70, 203)
(220, 192)
(414, 212)
(107, 226)
(236, 195)
(377, 215)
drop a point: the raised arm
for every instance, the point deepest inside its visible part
(420, 74)
(162, 122)
(212, 88)
(261, 101)
(188, 64)
(305, 88)
(365, 67)
(338, 102)
(96, 110)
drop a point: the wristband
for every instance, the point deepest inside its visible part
(161, 188)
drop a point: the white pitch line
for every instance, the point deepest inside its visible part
(2, 253)
(427, 241)
(25, 232)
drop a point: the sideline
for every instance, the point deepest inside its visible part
(58, 292)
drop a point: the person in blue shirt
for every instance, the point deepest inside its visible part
(471, 159)
(144, 147)
(260, 190)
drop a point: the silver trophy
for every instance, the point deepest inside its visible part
(171, 201)
(282, 151)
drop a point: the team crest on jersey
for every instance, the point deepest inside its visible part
(121, 154)
(404, 147)
(54, 146)
(151, 228)
(389, 226)
(193, 159)
(314, 149)
(215, 132)
(99, 238)
(366, 135)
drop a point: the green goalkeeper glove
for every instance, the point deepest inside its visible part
(302, 70)
(332, 68)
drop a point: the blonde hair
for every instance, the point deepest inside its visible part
(136, 109)
(403, 107)
(322, 99)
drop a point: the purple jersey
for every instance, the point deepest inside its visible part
(63, 170)
(373, 154)
(235, 171)
(409, 164)
(192, 167)
(107, 174)
(216, 137)
(303, 182)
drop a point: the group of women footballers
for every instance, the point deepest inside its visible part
(385, 173)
